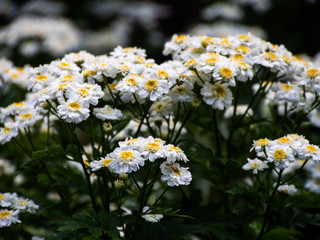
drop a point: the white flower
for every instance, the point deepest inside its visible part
(7, 217)
(107, 113)
(10, 130)
(23, 205)
(173, 154)
(175, 175)
(280, 155)
(153, 149)
(255, 165)
(309, 152)
(6, 199)
(217, 95)
(126, 160)
(288, 189)
(74, 110)
(241, 109)
(153, 88)
(149, 217)
(90, 93)
(103, 162)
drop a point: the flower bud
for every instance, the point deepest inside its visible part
(118, 184)
(123, 176)
(107, 127)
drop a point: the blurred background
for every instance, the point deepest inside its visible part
(38, 31)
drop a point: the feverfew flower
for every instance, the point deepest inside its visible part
(309, 152)
(255, 165)
(7, 217)
(153, 88)
(153, 149)
(174, 154)
(281, 156)
(9, 131)
(24, 205)
(175, 175)
(103, 162)
(217, 95)
(107, 113)
(149, 217)
(74, 110)
(287, 189)
(126, 160)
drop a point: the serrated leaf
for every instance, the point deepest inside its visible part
(282, 234)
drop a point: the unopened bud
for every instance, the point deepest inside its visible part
(107, 127)
(118, 184)
(123, 176)
(195, 102)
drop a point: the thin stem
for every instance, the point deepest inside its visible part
(266, 213)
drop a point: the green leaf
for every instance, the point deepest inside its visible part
(282, 234)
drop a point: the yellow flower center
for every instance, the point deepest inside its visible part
(22, 203)
(191, 63)
(89, 73)
(219, 91)
(163, 75)
(211, 61)
(207, 41)
(152, 147)
(83, 92)
(68, 78)
(284, 140)
(140, 60)
(74, 106)
(18, 104)
(127, 156)
(64, 65)
(151, 85)
(262, 142)
(26, 115)
(1, 196)
(131, 81)
(311, 148)
(175, 149)
(225, 73)
(124, 68)
(242, 49)
(270, 56)
(256, 165)
(41, 78)
(244, 37)
(225, 43)
(106, 162)
(313, 73)
(238, 57)
(286, 87)
(6, 130)
(243, 65)
(180, 39)
(5, 214)
(279, 154)
(14, 75)
(62, 86)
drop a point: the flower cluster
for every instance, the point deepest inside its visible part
(132, 154)
(12, 205)
(282, 152)
(43, 34)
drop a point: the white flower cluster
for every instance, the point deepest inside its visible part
(11, 206)
(220, 62)
(282, 152)
(53, 35)
(10, 74)
(132, 154)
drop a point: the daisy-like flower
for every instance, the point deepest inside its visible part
(225, 71)
(313, 184)
(126, 160)
(287, 189)
(10, 130)
(150, 217)
(7, 217)
(309, 75)
(74, 110)
(281, 156)
(309, 151)
(162, 107)
(241, 109)
(175, 175)
(153, 149)
(217, 95)
(90, 93)
(182, 93)
(6, 199)
(107, 113)
(103, 162)
(255, 165)
(153, 88)
(24, 205)
(28, 118)
(173, 154)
